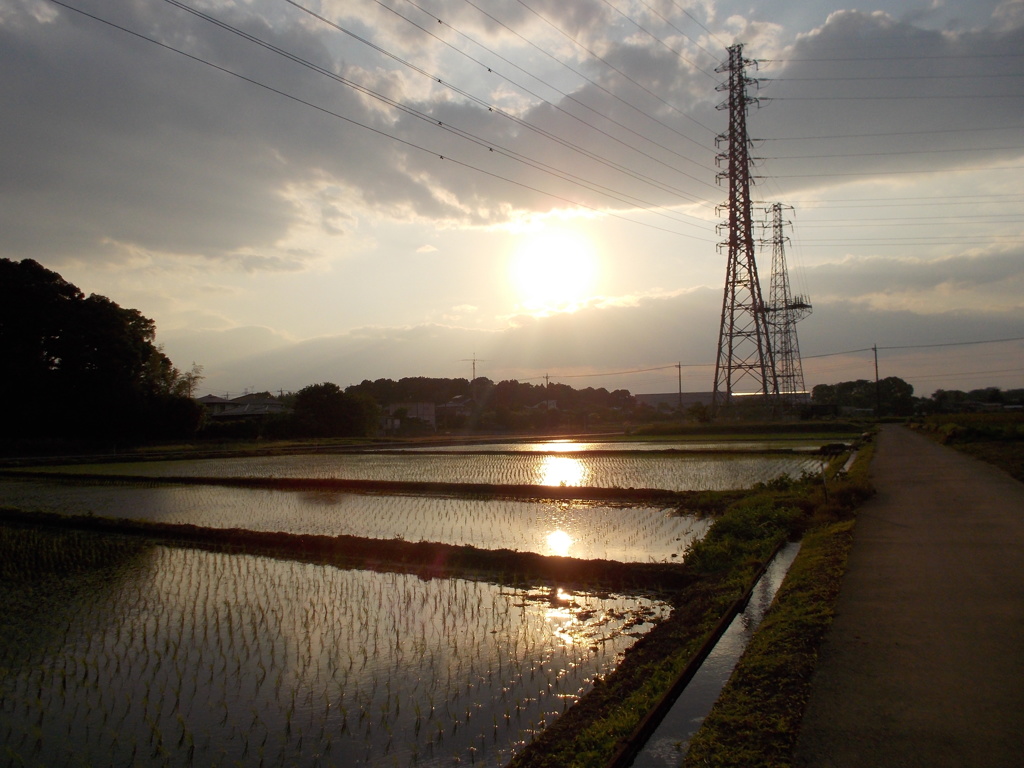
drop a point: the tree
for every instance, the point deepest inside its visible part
(81, 366)
(324, 410)
(890, 396)
(189, 381)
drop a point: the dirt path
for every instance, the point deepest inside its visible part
(924, 665)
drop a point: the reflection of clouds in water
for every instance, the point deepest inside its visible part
(559, 543)
(562, 470)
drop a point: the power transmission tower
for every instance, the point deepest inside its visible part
(784, 311)
(744, 351)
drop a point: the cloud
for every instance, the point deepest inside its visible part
(586, 348)
(906, 99)
(123, 144)
(996, 278)
(149, 175)
(216, 349)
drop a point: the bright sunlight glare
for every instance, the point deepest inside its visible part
(559, 543)
(553, 270)
(562, 470)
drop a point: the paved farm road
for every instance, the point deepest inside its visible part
(924, 665)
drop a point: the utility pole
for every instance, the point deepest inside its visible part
(474, 360)
(784, 311)
(472, 382)
(878, 386)
(744, 351)
(679, 370)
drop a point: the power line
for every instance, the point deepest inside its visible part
(942, 96)
(662, 42)
(890, 202)
(953, 57)
(491, 146)
(882, 172)
(933, 239)
(655, 11)
(820, 356)
(891, 133)
(698, 22)
(584, 77)
(902, 221)
(956, 343)
(965, 374)
(484, 143)
(611, 66)
(889, 154)
(520, 86)
(359, 124)
(887, 77)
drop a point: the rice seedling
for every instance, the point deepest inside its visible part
(196, 657)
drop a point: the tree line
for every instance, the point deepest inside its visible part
(892, 396)
(83, 367)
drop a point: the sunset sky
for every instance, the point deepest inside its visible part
(311, 191)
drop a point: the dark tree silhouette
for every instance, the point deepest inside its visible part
(81, 366)
(324, 410)
(892, 395)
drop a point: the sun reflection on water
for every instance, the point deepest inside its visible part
(559, 615)
(559, 543)
(561, 446)
(562, 470)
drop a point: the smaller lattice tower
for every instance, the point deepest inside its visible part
(783, 311)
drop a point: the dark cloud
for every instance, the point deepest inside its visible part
(110, 139)
(855, 278)
(868, 94)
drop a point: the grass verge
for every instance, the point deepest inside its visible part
(756, 720)
(995, 438)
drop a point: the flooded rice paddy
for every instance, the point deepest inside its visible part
(564, 528)
(121, 651)
(573, 446)
(639, 469)
(134, 654)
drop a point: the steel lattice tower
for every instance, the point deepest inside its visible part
(784, 311)
(744, 344)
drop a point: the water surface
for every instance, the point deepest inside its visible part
(119, 652)
(572, 529)
(639, 469)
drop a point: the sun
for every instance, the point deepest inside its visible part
(553, 270)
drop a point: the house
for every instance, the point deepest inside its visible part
(215, 405)
(397, 413)
(455, 411)
(244, 407)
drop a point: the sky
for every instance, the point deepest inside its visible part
(318, 190)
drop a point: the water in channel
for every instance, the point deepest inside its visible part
(668, 744)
